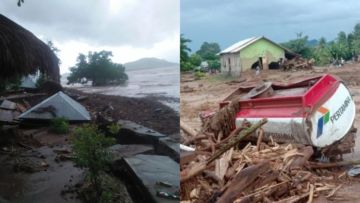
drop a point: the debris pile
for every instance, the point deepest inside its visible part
(231, 171)
(297, 63)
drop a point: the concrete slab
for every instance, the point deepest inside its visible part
(168, 147)
(9, 105)
(8, 116)
(119, 151)
(148, 170)
(133, 133)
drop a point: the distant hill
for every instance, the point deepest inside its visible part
(312, 42)
(145, 63)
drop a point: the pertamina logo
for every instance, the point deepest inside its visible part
(322, 120)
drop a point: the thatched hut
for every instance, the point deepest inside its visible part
(22, 53)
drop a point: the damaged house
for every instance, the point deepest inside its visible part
(252, 53)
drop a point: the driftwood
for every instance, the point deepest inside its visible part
(241, 181)
(186, 157)
(232, 142)
(194, 136)
(21, 96)
(333, 165)
(198, 168)
(297, 63)
(286, 175)
(298, 159)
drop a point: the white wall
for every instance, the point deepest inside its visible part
(233, 61)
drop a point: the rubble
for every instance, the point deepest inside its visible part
(269, 172)
(297, 63)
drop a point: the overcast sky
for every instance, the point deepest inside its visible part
(131, 29)
(229, 21)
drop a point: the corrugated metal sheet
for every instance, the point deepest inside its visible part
(246, 42)
(58, 105)
(239, 45)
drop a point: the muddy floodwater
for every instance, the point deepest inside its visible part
(40, 186)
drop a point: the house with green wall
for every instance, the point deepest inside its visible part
(252, 53)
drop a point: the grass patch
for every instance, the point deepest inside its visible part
(199, 75)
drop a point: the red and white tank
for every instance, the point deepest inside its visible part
(315, 111)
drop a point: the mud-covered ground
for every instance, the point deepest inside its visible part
(206, 93)
(31, 170)
(147, 111)
(209, 91)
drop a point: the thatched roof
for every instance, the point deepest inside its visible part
(22, 53)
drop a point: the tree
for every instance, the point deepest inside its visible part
(321, 53)
(98, 68)
(322, 43)
(20, 2)
(299, 45)
(195, 59)
(90, 150)
(184, 56)
(214, 64)
(208, 51)
(356, 39)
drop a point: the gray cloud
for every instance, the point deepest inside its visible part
(229, 21)
(139, 23)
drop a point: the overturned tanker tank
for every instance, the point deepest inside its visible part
(317, 111)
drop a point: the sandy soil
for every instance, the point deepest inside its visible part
(209, 91)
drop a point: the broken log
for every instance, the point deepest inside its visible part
(222, 164)
(298, 159)
(232, 142)
(259, 140)
(193, 134)
(332, 165)
(242, 181)
(22, 96)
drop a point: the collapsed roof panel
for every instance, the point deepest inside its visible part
(56, 106)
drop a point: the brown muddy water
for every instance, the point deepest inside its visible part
(42, 186)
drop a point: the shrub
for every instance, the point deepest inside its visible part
(114, 128)
(90, 151)
(60, 125)
(198, 75)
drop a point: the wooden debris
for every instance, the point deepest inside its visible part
(187, 129)
(242, 181)
(297, 63)
(332, 165)
(222, 164)
(199, 167)
(22, 96)
(259, 172)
